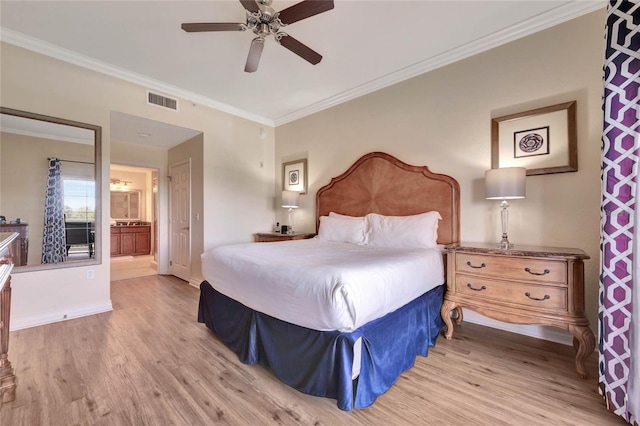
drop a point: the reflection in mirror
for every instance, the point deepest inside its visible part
(125, 204)
(50, 189)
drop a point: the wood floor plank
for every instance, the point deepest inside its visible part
(148, 362)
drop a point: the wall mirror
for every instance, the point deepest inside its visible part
(50, 180)
(125, 204)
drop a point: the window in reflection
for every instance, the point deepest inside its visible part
(79, 199)
(80, 214)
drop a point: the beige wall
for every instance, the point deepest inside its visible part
(442, 119)
(238, 172)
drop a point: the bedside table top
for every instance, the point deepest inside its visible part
(519, 250)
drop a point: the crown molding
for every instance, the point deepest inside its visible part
(36, 45)
(22, 132)
(541, 22)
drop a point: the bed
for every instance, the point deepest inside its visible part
(262, 305)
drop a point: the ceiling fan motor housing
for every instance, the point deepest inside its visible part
(263, 22)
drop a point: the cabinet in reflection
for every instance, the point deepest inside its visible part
(19, 246)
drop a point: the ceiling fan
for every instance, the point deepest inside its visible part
(263, 20)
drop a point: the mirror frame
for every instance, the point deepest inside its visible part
(97, 131)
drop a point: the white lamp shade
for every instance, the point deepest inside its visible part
(505, 183)
(290, 199)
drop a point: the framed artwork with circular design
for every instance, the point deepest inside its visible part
(541, 140)
(294, 176)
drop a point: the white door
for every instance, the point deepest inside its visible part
(180, 260)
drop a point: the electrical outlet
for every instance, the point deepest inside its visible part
(90, 274)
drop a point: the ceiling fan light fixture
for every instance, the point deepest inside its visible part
(255, 52)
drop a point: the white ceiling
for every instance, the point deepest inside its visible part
(142, 131)
(366, 45)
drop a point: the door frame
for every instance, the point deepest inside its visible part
(159, 214)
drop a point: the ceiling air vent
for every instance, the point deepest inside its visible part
(163, 101)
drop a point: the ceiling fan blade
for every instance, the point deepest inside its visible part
(211, 26)
(250, 5)
(303, 10)
(300, 49)
(254, 54)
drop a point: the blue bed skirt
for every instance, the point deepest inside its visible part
(319, 362)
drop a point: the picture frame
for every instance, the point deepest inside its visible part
(542, 140)
(294, 176)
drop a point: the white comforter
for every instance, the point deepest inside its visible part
(322, 285)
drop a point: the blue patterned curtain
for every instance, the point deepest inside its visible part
(54, 244)
(619, 312)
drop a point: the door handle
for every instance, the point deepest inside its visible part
(186, 228)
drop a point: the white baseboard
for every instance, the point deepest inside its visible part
(63, 315)
(195, 282)
(538, 331)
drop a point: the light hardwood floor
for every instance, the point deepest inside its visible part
(124, 267)
(150, 363)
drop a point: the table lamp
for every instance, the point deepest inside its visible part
(504, 184)
(290, 200)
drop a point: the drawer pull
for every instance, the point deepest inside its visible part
(476, 289)
(482, 265)
(546, 296)
(545, 272)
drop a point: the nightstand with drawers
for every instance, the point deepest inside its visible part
(270, 237)
(524, 285)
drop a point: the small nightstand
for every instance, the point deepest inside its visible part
(524, 285)
(270, 237)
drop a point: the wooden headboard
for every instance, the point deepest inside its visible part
(380, 183)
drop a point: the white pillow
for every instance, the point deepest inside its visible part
(344, 216)
(342, 230)
(416, 231)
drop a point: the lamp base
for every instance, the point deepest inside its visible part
(504, 244)
(290, 227)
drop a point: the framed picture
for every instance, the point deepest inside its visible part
(542, 140)
(294, 176)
